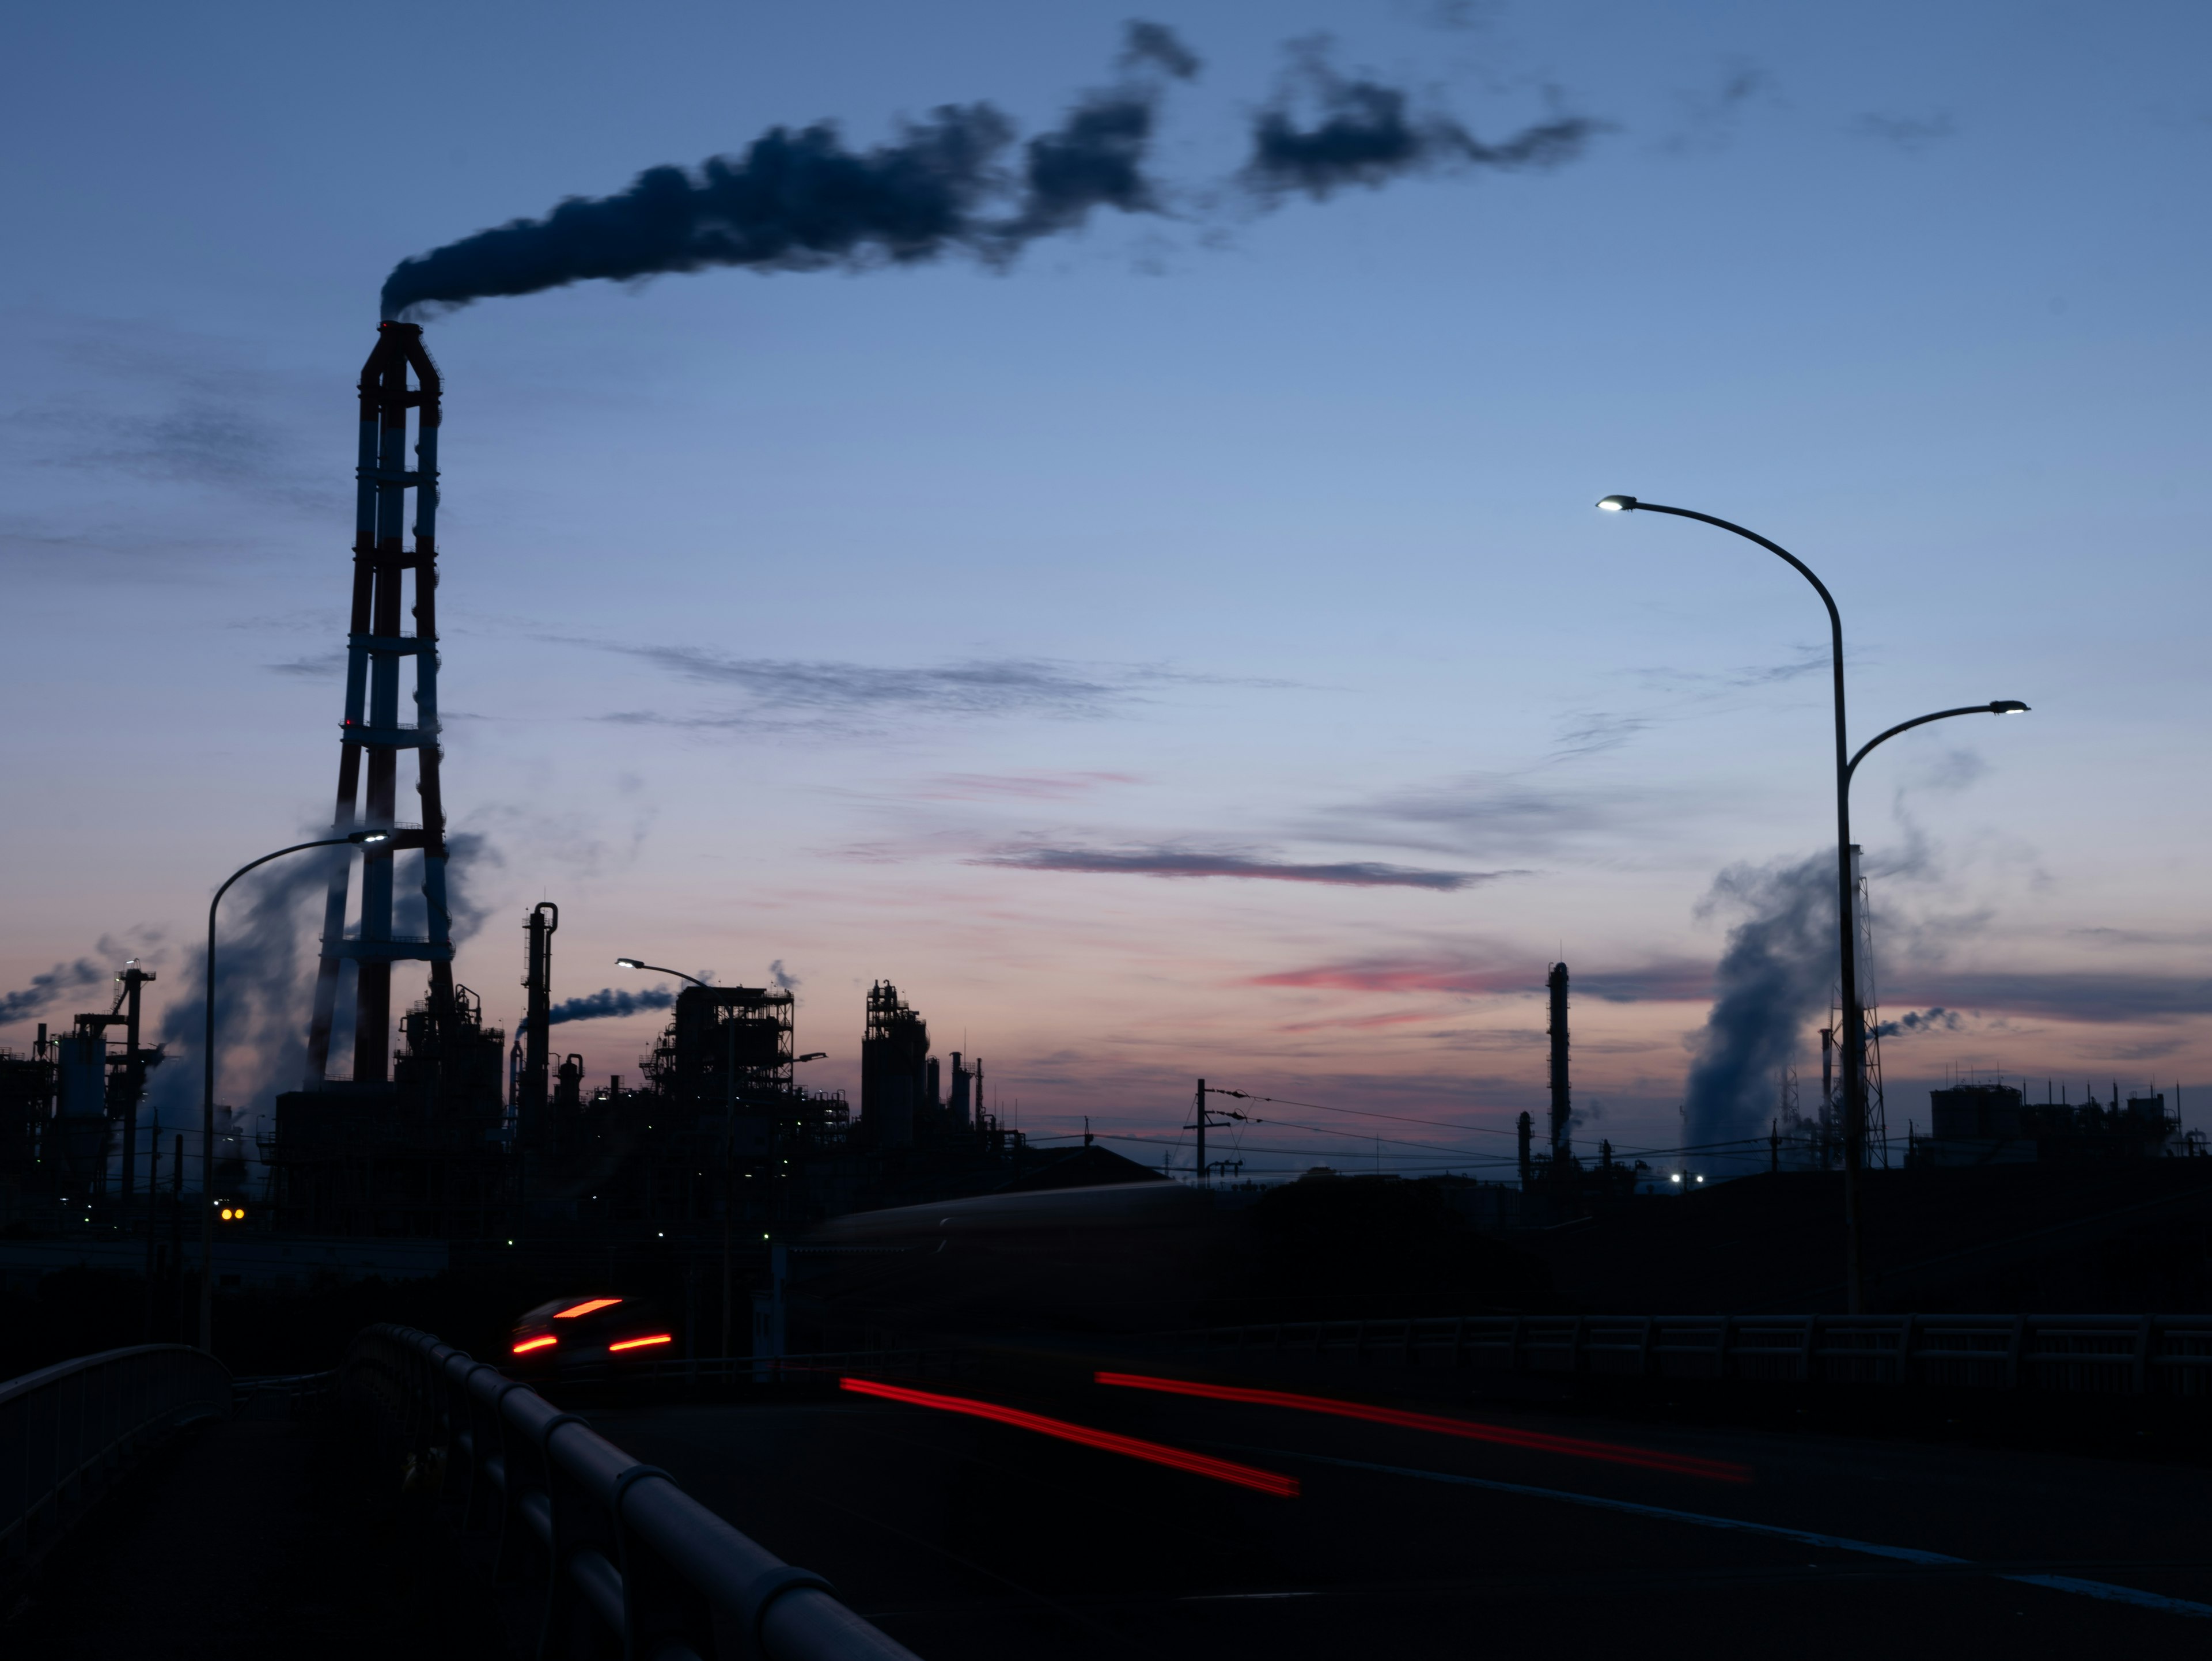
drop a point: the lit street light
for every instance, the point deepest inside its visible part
(355, 839)
(1846, 895)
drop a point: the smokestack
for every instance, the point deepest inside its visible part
(537, 1043)
(378, 642)
(1562, 1105)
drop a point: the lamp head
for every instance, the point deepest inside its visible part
(2007, 707)
(627, 963)
(362, 838)
(1618, 504)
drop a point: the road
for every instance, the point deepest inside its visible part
(967, 1538)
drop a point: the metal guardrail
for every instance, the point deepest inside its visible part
(67, 1433)
(625, 1554)
(2118, 1354)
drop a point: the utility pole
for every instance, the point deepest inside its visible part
(1200, 1122)
(729, 1168)
(153, 1198)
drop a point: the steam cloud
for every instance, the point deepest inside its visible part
(1366, 134)
(802, 201)
(1774, 976)
(265, 969)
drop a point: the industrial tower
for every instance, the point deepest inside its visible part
(378, 643)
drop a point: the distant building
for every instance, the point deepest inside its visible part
(1977, 1124)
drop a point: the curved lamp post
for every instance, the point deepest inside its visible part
(355, 839)
(1847, 894)
(1994, 707)
(655, 968)
(729, 1148)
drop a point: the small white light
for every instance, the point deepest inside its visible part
(1676, 1177)
(1617, 504)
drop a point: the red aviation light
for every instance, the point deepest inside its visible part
(584, 1308)
(640, 1343)
(529, 1344)
(1681, 1464)
(1222, 1471)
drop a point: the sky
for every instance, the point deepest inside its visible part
(1182, 644)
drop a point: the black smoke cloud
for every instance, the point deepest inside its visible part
(1366, 133)
(1774, 977)
(797, 201)
(802, 200)
(1938, 1019)
(50, 987)
(607, 1001)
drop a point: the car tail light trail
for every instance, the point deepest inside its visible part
(1221, 1471)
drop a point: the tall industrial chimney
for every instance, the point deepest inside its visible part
(1562, 1105)
(530, 1128)
(377, 644)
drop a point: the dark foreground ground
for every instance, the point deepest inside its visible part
(965, 1538)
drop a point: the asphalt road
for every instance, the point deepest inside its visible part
(967, 1538)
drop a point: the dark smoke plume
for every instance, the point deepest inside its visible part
(607, 1001)
(1938, 1019)
(50, 987)
(1367, 134)
(795, 201)
(1774, 977)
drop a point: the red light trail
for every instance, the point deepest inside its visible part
(529, 1344)
(1222, 1471)
(1680, 1464)
(640, 1343)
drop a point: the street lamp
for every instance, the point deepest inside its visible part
(1994, 707)
(1854, 1080)
(352, 838)
(729, 1146)
(655, 968)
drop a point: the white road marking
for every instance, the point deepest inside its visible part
(2099, 1589)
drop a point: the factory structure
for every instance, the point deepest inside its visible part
(447, 1134)
(454, 1134)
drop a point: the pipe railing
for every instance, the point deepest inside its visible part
(67, 1433)
(2137, 1354)
(623, 1555)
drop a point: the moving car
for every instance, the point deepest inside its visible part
(590, 1335)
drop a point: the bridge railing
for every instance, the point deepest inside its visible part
(67, 1433)
(2138, 1355)
(625, 1554)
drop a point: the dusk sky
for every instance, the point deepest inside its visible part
(1185, 645)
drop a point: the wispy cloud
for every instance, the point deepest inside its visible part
(1913, 135)
(1487, 816)
(320, 666)
(1027, 787)
(828, 693)
(1672, 981)
(2092, 998)
(1183, 862)
(1707, 118)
